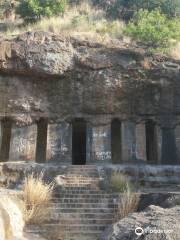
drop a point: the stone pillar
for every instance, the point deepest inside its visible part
(89, 144)
(0, 133)
(141, 142)
(23, 143)
(100, 140)
(169, 152)
(6, 127)
(128, 141)
(59, 142)
(177, 136)
(159, 143)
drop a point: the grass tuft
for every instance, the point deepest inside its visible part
(36, 197)
(128, 203)
(119, 182)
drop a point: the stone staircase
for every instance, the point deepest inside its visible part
(79, 209)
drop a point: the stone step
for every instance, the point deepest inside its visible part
(85, 215)
(73, 235)
(69, 180)
(86, 185)
(78, 190)
(81, 205)
(95, 235)
(84, 174)
(69, 175)
(82, 166)
(82, 171)
(83, 210)
(70, 221)
(84, 195)
(74, 227)
(82, 200)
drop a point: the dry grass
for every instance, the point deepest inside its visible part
(175, 51)
(83, 19)
(128, 203)
(36, 197)
(119, 182)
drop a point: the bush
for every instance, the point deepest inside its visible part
(35, 9)
(36, 197)
(154, 29)
(126, 8)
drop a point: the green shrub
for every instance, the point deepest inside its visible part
(126, 8)
(35, 9)
(153, 29)
(120, 182)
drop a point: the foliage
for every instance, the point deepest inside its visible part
(36, 197)
(120, 182)
(154, 29)
(126, 8)
(4, 5)
(35, 9)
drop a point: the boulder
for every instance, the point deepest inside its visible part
(11, 220)
(155, 223)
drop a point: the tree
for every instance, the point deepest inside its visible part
(35, 9)
(153, 29)
(126, 8)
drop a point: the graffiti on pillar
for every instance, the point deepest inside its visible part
(58, 144)
(101, 146)
(23, 144)
(20, 145)
(103, 155)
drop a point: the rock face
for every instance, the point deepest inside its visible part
(95, 79)
(157, 224)
(11, 220)
(56, 80)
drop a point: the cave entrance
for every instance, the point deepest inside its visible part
(41, 143)
(6, 129)
(79, 142)
(151, 142)
(116, 142)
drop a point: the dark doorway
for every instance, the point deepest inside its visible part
(41, 143)
(116, 143)
(6, 128)
(79, 142)
(151, 142)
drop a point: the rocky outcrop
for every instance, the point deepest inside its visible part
(11, 219)
(156, 223)
(45, 53)
(43, 70)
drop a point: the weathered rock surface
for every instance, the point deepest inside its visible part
(43, 69)
(157, 223)
(46, 53)
(11, 220)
